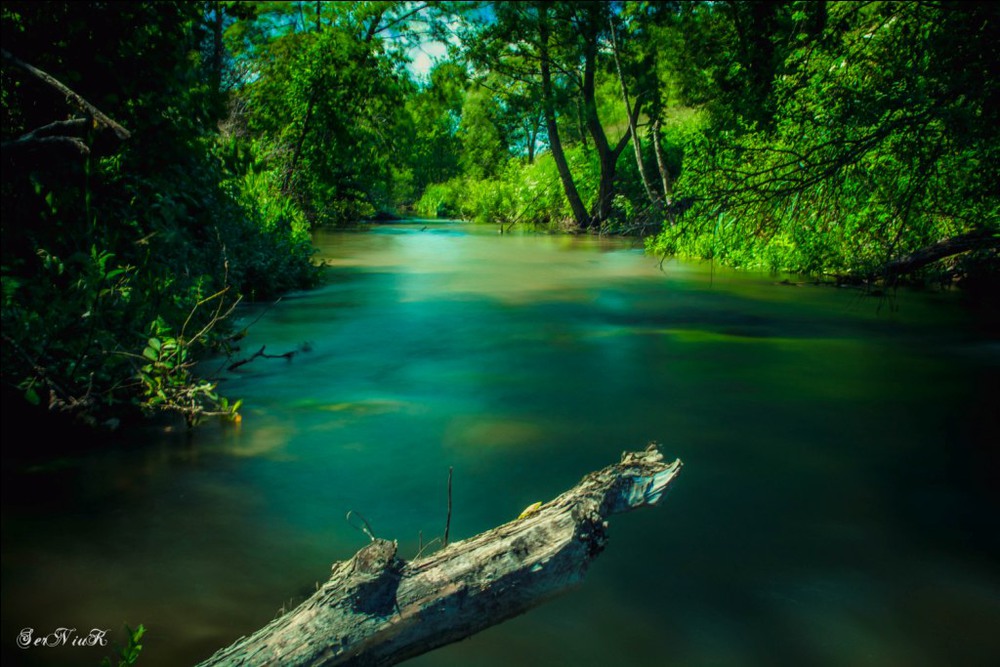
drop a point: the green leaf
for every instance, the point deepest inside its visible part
(32, 396)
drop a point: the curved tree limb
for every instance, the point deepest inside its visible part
(60, 135)
(378, 609)
(31, 141)
(82, 104)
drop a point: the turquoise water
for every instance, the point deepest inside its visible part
(837, 507)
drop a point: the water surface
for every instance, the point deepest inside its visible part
(837, 506)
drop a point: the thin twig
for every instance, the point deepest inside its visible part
(426, 546)
(365, 528)
(260, 354)
(447, 523)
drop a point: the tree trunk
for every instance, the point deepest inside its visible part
(653, 197)
(608, 161)
(607, 155)
(661, 163)
(378, 609)
(218, 48)
(580, 215)
(531, 131)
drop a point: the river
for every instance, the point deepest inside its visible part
(838, 504)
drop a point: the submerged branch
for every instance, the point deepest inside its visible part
(260, 354)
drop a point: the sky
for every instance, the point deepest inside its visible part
(424, 56)
(427, 53)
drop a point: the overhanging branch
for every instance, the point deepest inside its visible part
(978, 240)
(73, 97)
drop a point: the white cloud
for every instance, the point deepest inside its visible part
(424, 56)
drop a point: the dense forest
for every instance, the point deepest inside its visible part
(164, 162)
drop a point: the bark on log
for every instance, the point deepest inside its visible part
(378, 609)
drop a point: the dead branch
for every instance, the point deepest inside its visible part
(378, 609)
(82, 104)
(260, 354)
(63, 134)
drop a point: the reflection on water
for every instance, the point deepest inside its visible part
(837, 506)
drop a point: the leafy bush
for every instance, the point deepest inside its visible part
(120, 265)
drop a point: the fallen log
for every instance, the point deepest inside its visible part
(378, 609)
(983, 239)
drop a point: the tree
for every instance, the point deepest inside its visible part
(636, 52)
(876, 137)
(484, 149)
(328, 97)
(433, 147)
(120, 258)
(558, 47)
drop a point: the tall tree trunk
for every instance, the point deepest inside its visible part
(531, 132)
(217, 48)
(661, 163)
(654, 198)
(300, 144)
(581, 126)
(607, 155)
(580, 214)
(588, 93)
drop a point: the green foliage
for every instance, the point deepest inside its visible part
(129, 654)
(484, 150)
(881, 140)
(521, 193)
(271, 231)
(168, 227)
(168, 381)
(430, 144)
(328, 102)
(440, 200)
